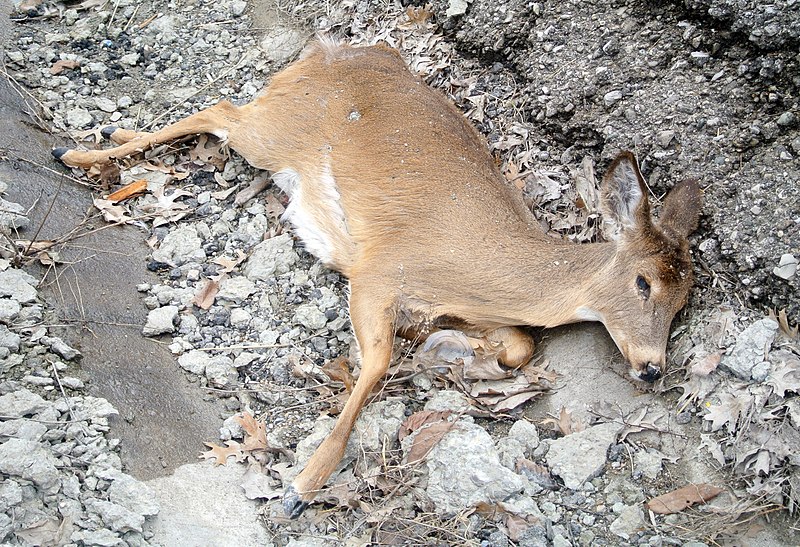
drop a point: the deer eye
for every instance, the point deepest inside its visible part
(643, 286)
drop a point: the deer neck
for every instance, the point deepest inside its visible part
(564, 282)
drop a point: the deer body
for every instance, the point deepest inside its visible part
(392, 186)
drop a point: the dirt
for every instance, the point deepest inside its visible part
(696, 89)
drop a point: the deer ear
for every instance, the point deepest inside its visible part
(624, 197)
(681, 211)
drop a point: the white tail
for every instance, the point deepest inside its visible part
(393, 187)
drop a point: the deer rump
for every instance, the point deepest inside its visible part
(392, 186)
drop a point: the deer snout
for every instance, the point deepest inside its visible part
(650, 373)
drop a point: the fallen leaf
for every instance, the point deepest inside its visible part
(257, 485)
(418, 419)
(783, 323)
(62, 65)
(111, 212)
(338, 371)
(221, 453)
(729, 410)
(564, 422)
(222, 195)
(427, 438)
(50, 531)
(204, 298)
(485, 366)
(680, 499)
(536, 473)
(255, 187)
(127, 191)
(209, 151)
(785, 374)
(274, 207)
(228, 264)
(255, 432)
(707, 364)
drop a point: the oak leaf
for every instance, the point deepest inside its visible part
(221, 453)
(680, 499)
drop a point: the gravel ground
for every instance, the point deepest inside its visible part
(706, 89)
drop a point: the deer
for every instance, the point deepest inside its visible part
(391, 185)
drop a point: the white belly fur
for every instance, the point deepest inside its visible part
(316, 213)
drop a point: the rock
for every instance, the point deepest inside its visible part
(130, 59)
(787, 119)
(612, 97)
(180, 246)
(30, 461)
(101, 538)
(18, 285)
(464, 470)
(164, 27)
(116, 517)
(750, 347)
(629, 521)
(510, 450)
(10, 495)
(12, 216)
(88, 408)
(377, 424)
(454, 401)
(456, 7)
(526, 433)
(647, 463)
(220, 371)
(236, 289)
(194, 361)
(9, 339)
(281, 43)
(664, 138)
(133, 495)
(240, 318)
(79, 118)
(20, 403)
(22, 429)
(271, 258)
(61, 348)
(237, 7)
(581, 456)
(161, 321)
(9, 310)
(310, 316)
(787, 267)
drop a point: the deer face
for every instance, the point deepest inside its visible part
(651, 271)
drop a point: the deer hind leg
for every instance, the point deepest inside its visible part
(219, 120)
(518, 345)
(373, 325)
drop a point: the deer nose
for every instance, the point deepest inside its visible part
(651, 373)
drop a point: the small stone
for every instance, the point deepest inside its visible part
(194, 361)
(310, 316)
(648, 463)
(161, 321)
(22, 402)
(271, 258)
(180, 246)
(61, 348)
(236, 289)
(79, 118)
(9, 339)
(105, 104)
(72, 383)
(664, 138)
(9, 310)
(116, 517)
(581, 456)
(132, 495)
(30, 461)
(12, 215)
(281, 43)
(630, 521)
(787, 267)
(612, 97)
(220, 371)
(787, 119)
(750, 347)
(237, 7)
(130, 59)
(19, 285)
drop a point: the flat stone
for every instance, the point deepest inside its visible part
(270, 258)
(22, 403)
(236, 289)
(629, 521)
(61, 348)
(30, 461)
(750, 347)
(194, 361)
(133, 495)
(310, 316)
(180, 246)
(281, 44)
(581, 456)
(130, 59)
(88, 408)
(18, 285)
(161, 321)
(787, 267)
(12, 215)
(99, 538)
(79, 118)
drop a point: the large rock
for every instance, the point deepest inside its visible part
(464, 470)
(272, 257)
(310, 316)
(19, 285)
(581, 456)
(22, 403)
(30, 461)
(750, 348)
(180, 246)
(161, 320)
(115, 517)
(133, 495)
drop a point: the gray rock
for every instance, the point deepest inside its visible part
(270, 258)
(115, 516)
(581, 456)
(22, 403)
(612, 97)
(180, 246)
(133, 495)
(787, 119)
(510, 451)
(9, 310)
(237, 7)
(30, 461)
(12, 216)
(787, 266)
(281, 43)
(9, 339)
(10, 495)
(101, 538)
(454, 401)
(194, 361)
(130, 59)
(750, 347)
(79, 118)
(629, 521)
(22, 429)
(464, 470)
(161, 321)
(59, 347)
(456, 7)
(105, 104)
(310, 316)
(240, 318)
(236, 289)
(18, 285)
(526, 433)
(647, 463)
(89, 408)
(664, 138)
(220, 371)
(164, 27)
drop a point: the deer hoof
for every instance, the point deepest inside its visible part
(293, 505)
(60, 151)
(108, 131)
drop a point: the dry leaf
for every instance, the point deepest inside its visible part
(418, 419)
(221, 453)
(204, 298)
(274, 207)
(222, 195)
(680, 499)
(209, 151)
(785, 375)
(62, 65)
(228, 264)
(427, 438)
(111, 212)
(254, 188)
(127, 191)
(706, 365)
(257, 485)
(485, 367)
(564, 422)
(536, 473)
(729, 410)
(338, 371)
(783, 323)
(255, 432)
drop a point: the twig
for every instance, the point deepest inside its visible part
(63, 393)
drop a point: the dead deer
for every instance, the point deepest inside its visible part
(392, 186)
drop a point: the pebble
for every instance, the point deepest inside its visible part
(79, 118)
(787, 266)
(161, 321)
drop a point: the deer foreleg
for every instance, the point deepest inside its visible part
(219, 120)
(374, 329)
